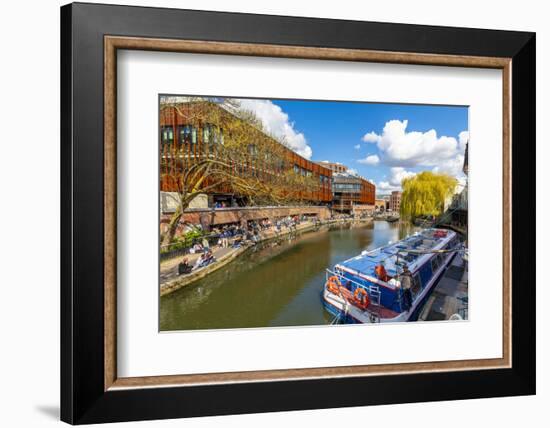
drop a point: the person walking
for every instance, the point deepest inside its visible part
(205, 244)
(224, 239)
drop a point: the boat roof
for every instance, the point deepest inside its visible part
(426, 240)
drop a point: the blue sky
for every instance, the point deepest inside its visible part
(382, 142)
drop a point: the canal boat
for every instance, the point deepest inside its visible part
(367, 288)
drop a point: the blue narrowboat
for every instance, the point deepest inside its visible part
(372, 288)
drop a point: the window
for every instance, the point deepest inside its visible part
(252, 150)
(416, 285)
(166, 135)
(302, 171)
(187, 134)
(211, 134)
(207, 133)
(435, 264)
(347, 187)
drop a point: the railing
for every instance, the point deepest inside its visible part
(446, 220)
(372, 290)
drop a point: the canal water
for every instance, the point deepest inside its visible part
(275, 283)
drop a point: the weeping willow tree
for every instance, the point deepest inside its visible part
(425, 194)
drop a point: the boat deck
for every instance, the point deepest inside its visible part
(427, 240)
(382, 311)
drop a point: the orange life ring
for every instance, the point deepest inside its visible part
(334, 279)
(333, 285)
(361, 297)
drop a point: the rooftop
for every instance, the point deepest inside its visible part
(427, 240)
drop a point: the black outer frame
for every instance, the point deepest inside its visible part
(83, 399)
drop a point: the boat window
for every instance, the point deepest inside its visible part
(435, 264)
(416, 285)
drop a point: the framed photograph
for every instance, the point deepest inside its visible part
(258, 211)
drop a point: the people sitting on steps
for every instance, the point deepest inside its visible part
(184, 267)
(204, 260)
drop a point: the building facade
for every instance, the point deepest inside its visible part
(350, 190)
(459, 205)
(187, 133)
(334, 166)
(380, 205)
(395, 201)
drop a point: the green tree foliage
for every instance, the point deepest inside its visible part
(425, 194)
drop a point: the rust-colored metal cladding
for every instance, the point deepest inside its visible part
(188, 130)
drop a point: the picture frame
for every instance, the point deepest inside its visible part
(91, 391)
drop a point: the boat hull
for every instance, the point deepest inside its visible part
(347, 313)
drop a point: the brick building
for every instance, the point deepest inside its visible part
(395, 201)
(187, 133)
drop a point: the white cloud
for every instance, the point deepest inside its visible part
(352, 171)
(370, 160)
(357, 146)
(384, 186)
(397, 147)
(371, 137)
(397, 174)
(451, 166)
(276, 122)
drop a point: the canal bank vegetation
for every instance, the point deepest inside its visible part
(232, 154)
(425, 194)
(182, 242)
